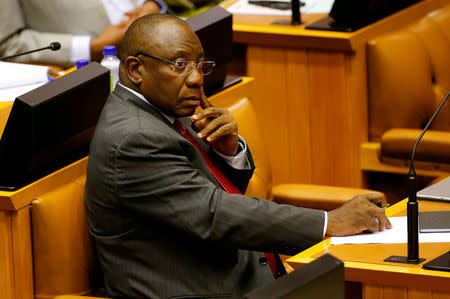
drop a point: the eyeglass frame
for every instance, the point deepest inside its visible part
(174, 63)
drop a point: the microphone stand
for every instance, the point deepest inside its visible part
(413, 206)
(53, 46)
(296, 15)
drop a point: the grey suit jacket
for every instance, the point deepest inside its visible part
(31, 24)
(163, 226)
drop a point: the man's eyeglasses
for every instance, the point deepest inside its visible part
(181, 66)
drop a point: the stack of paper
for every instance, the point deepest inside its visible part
(17, 79)
(311, 6)
(398, 234)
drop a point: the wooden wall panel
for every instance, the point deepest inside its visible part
(312, 115)
(357, 111)
(23, 263)
(328, 116)
(439, 295)
(378, 291)
(298, 116)
(6, 254)
(271, 105)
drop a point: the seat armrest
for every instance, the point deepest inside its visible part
(317, 196)
(434, 146)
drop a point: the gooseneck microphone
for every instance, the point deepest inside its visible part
(55, 46)
(413, 208)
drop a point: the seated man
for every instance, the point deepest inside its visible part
(163, 190)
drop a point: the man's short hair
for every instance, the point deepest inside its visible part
(144, 30)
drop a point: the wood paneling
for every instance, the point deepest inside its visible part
(16, 269)
(269, 65)
(378, 291)
(6, 257)
(312, 125)
(23, 263)
(298, 116)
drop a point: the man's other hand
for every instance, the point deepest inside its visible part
(359, 214)
(217, 127)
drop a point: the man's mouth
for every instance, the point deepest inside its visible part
(192, 101)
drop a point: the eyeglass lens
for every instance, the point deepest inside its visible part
(204, 67)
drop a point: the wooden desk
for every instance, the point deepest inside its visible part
(16, 262)
(364, 264)
(311, 93)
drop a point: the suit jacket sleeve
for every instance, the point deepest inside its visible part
(27, 39)
(16, 37)
(11, 18)
(154, 177)
(239, 178)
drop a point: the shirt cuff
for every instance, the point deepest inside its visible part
(325, 223)
(162, 5)
(240, 160)
(80, 48)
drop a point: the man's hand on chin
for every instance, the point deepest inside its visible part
(217, 127)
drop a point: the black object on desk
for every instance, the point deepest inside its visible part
(351, 15)
(322, 278)
(441, 263)
(51, 126)
(281, 5)
(436, 192)
(214, 28)
(434, 222)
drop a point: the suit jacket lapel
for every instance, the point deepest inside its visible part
(126, 95)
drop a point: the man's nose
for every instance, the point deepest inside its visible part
(195, 77)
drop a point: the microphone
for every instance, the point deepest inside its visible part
(55, 46)
(413, 208)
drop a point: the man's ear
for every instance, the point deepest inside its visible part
(133, 69)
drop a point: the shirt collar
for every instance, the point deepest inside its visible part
(171, 119)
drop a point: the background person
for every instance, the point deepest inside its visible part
(83, 27)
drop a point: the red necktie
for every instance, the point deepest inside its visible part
(221, 178)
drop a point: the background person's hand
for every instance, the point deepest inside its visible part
(359, 214)
(148, 7)
(217, 127)
(112, 36)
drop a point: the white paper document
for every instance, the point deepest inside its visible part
(311, 6)
(398, 234)
(19, 74)
(18, 78)
(10, 94)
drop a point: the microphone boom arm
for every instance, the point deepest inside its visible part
(53, 46)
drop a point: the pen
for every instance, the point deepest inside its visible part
(383, 205)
